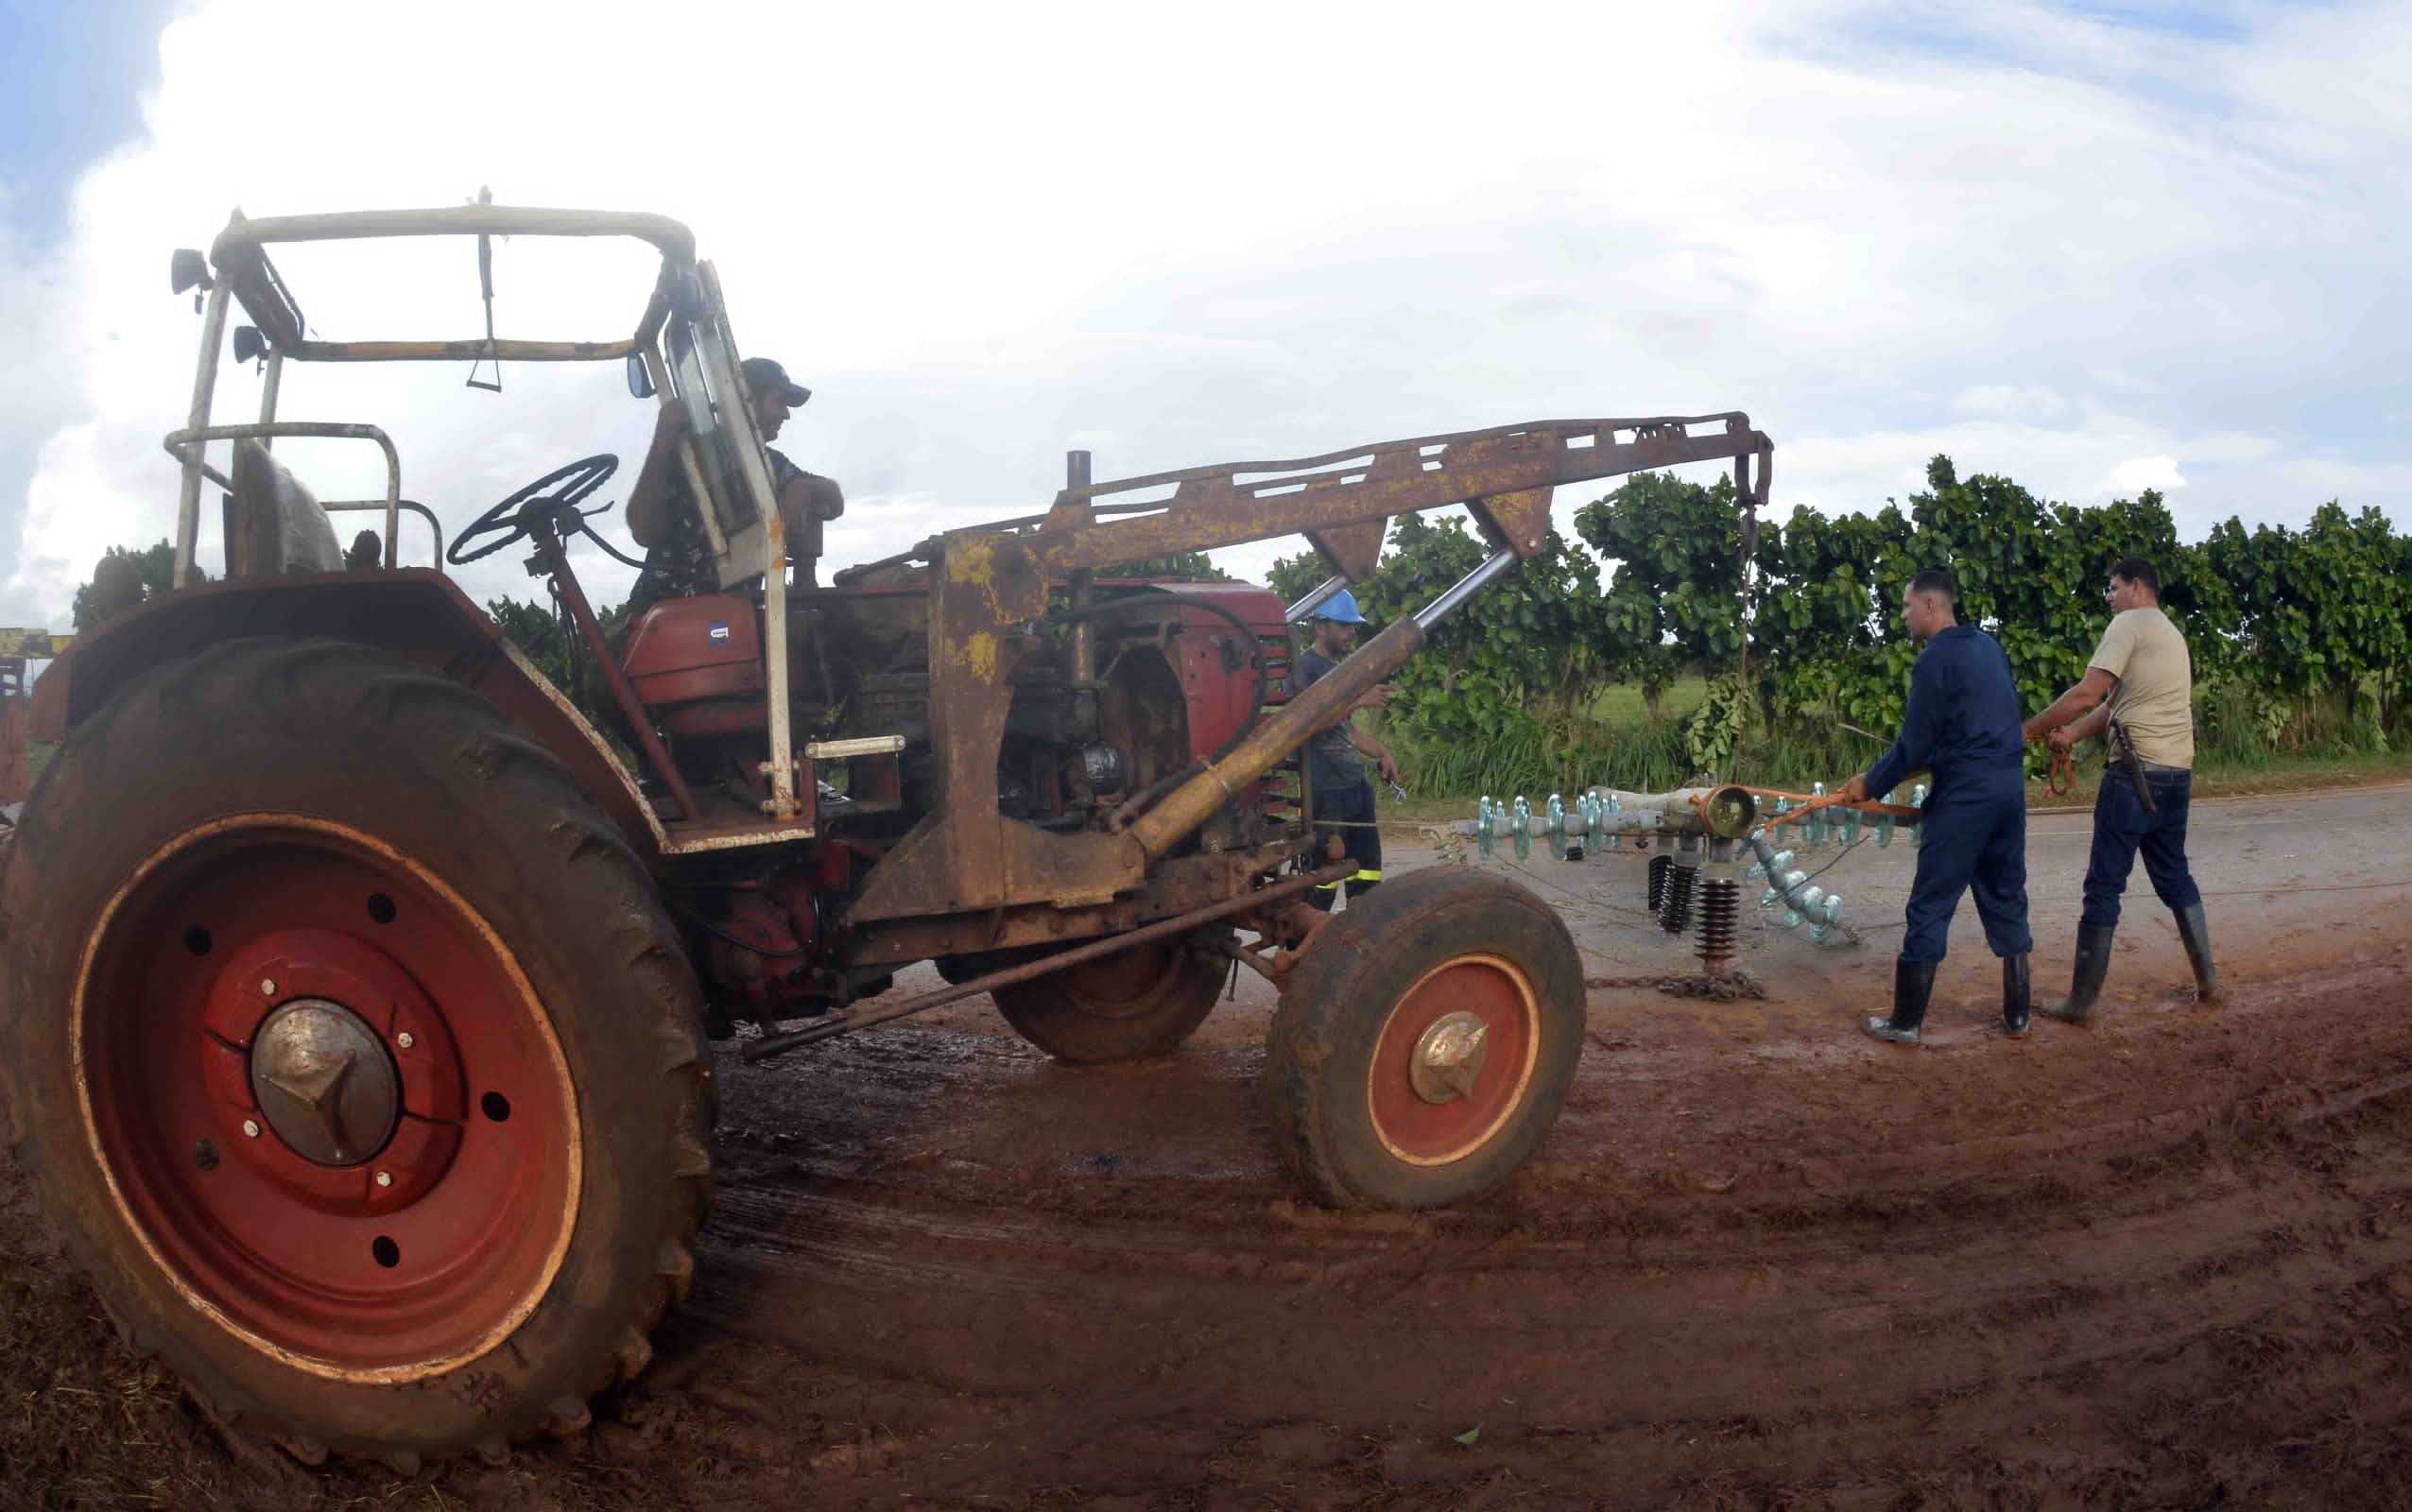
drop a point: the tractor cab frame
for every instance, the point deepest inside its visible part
(680, 351)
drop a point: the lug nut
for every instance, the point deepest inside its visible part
(403, 1039)
(384, 1179)
(250, 1129)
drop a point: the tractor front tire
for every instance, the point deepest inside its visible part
(1425, 1041)
(1136, 1005)
(351, 1054)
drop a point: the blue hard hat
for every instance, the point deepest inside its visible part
(1341, 607)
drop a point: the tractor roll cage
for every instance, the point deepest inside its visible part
(721, 456)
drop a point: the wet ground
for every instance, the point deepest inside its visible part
(1761, 1260)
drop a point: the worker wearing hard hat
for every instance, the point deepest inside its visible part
(1343, 795)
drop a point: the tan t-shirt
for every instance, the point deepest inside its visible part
(2155, 699)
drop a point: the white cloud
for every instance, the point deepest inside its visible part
(2050, 247)
(2138, 473)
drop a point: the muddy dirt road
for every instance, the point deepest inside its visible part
(1761, 1260)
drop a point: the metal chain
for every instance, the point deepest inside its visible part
(1726, 986)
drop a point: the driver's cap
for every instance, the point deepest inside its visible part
(763, 376)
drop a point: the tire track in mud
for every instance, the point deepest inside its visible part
(2215, 1208)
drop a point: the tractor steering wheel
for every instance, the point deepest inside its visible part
(509, 521)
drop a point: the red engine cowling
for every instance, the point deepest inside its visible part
(1216, 684)
(697, 665)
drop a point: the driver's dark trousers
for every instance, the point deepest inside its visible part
(1346, 812)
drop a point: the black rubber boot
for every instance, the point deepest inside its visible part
(2016, 995)
(2085, 982)
(1913, 984)
(2196, 932)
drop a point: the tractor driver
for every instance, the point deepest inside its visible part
(1336, 758)
(662, 513)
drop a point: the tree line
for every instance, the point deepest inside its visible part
(2277, 617)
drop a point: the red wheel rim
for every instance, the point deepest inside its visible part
(1466, 990)
(414, 1258)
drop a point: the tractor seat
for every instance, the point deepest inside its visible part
(697, 665)
(274, 526)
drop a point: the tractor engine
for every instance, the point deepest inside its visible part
(1183, 671)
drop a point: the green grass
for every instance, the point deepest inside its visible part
(1623, 703)
(1614, 742)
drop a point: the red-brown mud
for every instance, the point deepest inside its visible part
(1761, 1261)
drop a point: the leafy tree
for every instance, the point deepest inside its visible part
(1517, 661)
(1188, 567)
(544, 640)
(1291, 577)
(155, 565)
(1678, 549)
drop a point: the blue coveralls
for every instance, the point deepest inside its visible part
(1963, 724)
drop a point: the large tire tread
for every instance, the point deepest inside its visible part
(433, 722)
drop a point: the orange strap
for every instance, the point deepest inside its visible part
(1811, 806)
(1899, 811)
(2063, 779)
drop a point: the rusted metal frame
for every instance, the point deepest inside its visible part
(1213, 512)
(1602, 430)
(548, 546)
(188, 502)
(502, 349)
(1247, 957)
(1067, 512)
(965, 854)
(675, 242)
(239, 254)
(836, 1024)
(1082, 588)
(187, 445)
(1171, 887)
(261, 291)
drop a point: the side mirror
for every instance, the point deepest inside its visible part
(187, 269)
(250, 346)
(640, 381)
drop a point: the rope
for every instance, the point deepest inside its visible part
(2063, 779)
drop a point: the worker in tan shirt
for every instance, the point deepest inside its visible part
(2141, 679)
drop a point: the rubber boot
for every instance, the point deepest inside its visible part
(1913, 984)
(2085, 982)
(2016, 995)
(2196, 932)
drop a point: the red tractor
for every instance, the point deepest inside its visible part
(360, 983)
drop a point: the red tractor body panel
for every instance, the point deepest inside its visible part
(692, 648)
(415, 613)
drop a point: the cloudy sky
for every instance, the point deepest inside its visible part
(2098, 247)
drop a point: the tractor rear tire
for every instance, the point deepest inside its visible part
(1138, 1004)
(1425, 1042)
(484, 980)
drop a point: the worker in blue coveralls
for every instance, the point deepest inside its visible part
(1962, 724)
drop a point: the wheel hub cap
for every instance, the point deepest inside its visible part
(1449, 1057)
(325, 1082)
